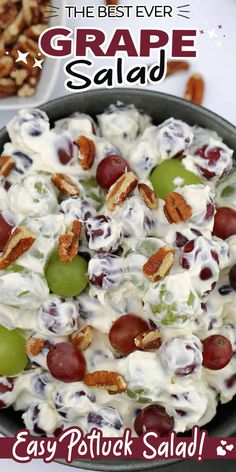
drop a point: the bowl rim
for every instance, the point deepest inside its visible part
(114, 93)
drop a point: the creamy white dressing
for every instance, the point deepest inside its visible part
(183, 306)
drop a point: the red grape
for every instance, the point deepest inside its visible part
(110, 169)
(66, 362)
(5, 386)
(232, 277)
(5, 231)
(123, 332)
(225, 223)
(153, 418)
(217, 352)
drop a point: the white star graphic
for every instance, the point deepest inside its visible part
(212, 34)
(219, 44)
(38, 63)
(22, 56)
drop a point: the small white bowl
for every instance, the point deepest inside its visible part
(47, 79)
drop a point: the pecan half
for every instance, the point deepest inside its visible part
(121, 189)
(87, 152)
(112, 2)
(68, 244)
(176, 66)
(19, 242)
(194, 89)
(34, 346)
(176, 208)
(111, 381)
(6, 165)
(149, 341)
(159, 264)
(148, 196)
(65, 184)
(82, 339)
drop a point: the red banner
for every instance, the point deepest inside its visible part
(73, 444)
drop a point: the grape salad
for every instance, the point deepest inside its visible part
(117, 273)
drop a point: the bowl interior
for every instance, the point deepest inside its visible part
(160, 107)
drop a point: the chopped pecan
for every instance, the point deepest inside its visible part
(194, 89)
(176, 208)
(34, 346)
(65, 184)
(121, 189)
(159, 264)
(82, 339)
(32, 12)
(6, 66)
(176, 66)
(148, 196)
(87, 151)
(149, 341)
(6, 165)
(34, 31)
(19, 75)
(26, 91)
(19, 242)
(11, 33)
(8, 13)
(68, 244)
(7, 87)
(26, 44)
(111, 381)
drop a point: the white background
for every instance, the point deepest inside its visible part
(216, 62)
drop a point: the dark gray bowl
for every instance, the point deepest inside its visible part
(159, 106)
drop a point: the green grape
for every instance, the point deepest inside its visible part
(66, 280)
(163, 176)
(13, 358)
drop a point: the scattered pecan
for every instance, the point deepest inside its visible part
(32, 12)
(148, 196)
(149, 341)
(8, 13)
(19, 75)
(6, 66)
(176, 208)
(121, 189)
(68, 244)
(6, 165)
(26, 91)
(34, 346)
(7, 87)
(11, 33)
(19, 242)
(87, 151)
(65, 184)
(82, 339)
(159, 264)
(111, 381)
(194, 89)
(176, 66)
(34, 31)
